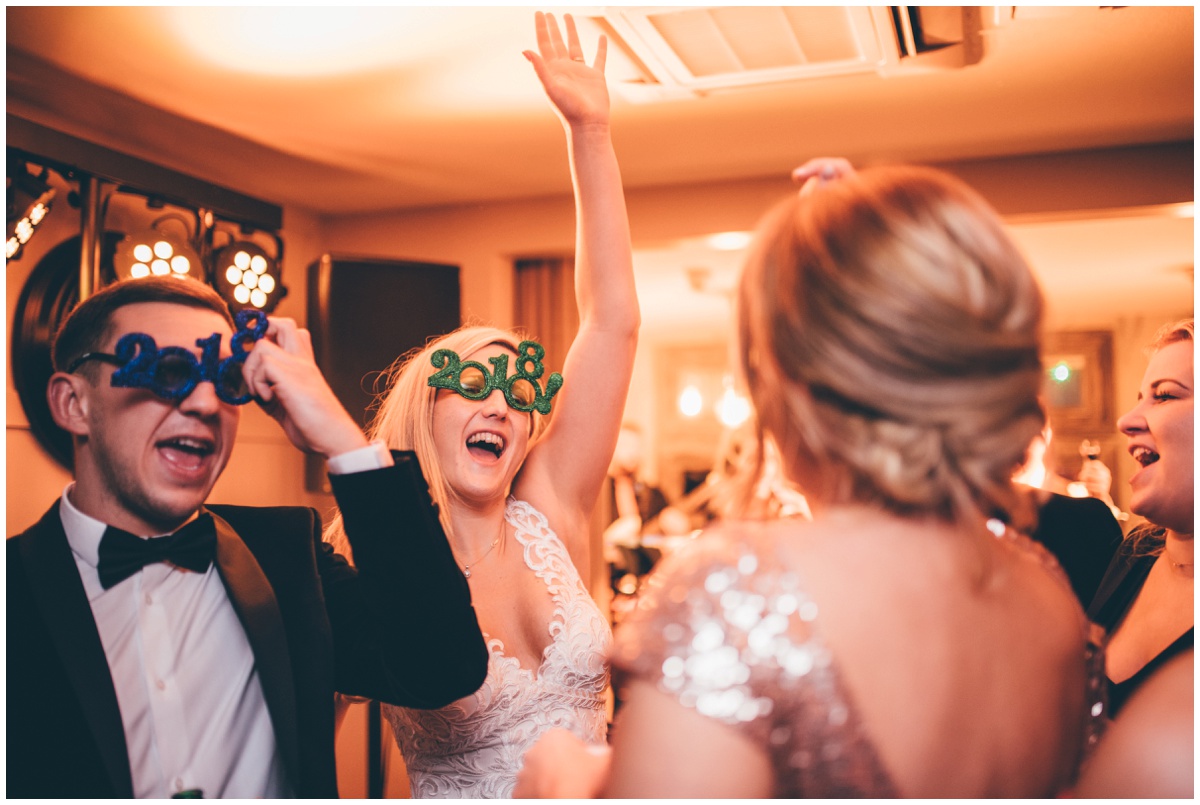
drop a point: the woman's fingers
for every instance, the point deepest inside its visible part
(556, 40)
(550, 38)
(573, 48)
(551, 44)
(601, 53)
(545, 46)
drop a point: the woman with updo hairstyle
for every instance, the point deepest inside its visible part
(903, 642)
(891, 347)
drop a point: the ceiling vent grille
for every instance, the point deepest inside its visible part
(700, 49)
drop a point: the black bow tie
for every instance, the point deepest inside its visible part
(122, 554)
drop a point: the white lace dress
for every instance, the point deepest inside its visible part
(475, 746)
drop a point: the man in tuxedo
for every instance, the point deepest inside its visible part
(206, 661)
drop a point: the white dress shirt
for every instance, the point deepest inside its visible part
(188, 688)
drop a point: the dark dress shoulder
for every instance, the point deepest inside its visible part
(1120, 586)
(1083, 535)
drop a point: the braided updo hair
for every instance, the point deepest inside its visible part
(890, 335)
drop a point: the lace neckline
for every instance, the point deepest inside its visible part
(554, 566)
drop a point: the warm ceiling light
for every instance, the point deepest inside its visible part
(247, 277)
(730, 241)
(158, 254)
(303, 40)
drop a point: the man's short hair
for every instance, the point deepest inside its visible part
(90, 323)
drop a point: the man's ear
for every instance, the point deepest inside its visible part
(67, 396)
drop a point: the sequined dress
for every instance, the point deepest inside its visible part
(727, 629)
(475, 746)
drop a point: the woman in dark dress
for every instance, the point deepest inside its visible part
(1145, 600)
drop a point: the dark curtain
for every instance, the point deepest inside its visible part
(544, 302)
(544, 308)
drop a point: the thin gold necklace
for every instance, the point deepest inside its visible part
(468, 565)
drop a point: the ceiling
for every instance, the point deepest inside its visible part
(357, 109)
(344, 110)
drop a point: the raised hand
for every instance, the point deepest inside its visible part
(283, 376)
(577, 91)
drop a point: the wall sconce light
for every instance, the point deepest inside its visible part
(39, 189)
(730, 241)
(248, 277)
(691, 401)
(732, 408)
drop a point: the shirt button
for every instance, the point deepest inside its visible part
(149, 599)
(178, 783)
(158, 683)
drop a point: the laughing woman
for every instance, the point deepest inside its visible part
(516, 494)
(1145, 599)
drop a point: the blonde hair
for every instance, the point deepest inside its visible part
(404, 412)
(890, 336)
(1182, 330)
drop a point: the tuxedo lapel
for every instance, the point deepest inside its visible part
(256, 606)
(59, 595)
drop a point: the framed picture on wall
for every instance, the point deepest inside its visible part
(1078, 381)
(1078, 390)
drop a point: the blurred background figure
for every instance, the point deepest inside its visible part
(635, 503)
(1095, 478)
(647, 526)
(743, 484)
(1078, 527)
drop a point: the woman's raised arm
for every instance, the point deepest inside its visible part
(572, 459)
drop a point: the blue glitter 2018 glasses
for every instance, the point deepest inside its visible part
(174, 372)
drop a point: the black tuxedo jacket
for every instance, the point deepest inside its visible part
(398, 627)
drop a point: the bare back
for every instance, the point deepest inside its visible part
(968, 687)
(862, 655)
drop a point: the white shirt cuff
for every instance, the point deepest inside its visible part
(374, 456)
